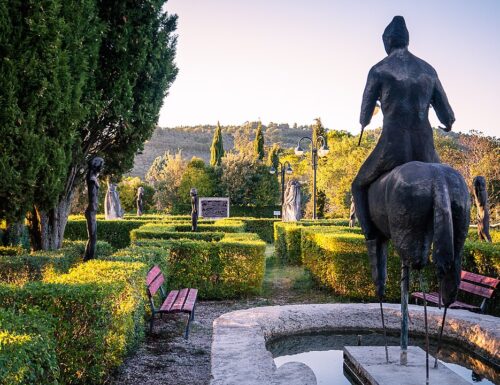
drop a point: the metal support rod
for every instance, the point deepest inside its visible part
(405, 271)
(439, 339)
(282, 187)
(385, 332)
(426, 332)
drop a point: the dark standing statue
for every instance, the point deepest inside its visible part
(401, 191)
(95, 165)
(194, 209)
(483, 210)
(140, 201)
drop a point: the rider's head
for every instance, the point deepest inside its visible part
(396, 35)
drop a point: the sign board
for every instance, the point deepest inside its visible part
(277, 213)
(213, 208)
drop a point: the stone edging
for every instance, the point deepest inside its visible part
(239, 355)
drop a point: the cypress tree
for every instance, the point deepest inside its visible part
(318, 130)
(217, 147)
(258, 144)
(273, 157)
(78, 79)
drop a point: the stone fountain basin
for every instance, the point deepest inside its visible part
(240, 357)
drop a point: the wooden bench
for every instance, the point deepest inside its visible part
(176, 301)
(477, 284)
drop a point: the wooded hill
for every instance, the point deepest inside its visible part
(196, 140)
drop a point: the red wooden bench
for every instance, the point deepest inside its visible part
(477, 284)
(176, 301)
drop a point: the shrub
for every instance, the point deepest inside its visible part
(115, 232)
(494, 233)
(264, 227)
(138, 236)
(149, 254)
(19, 269)
(482, 258)
(338, 260)
(27, 348)
(11, 250)
(225, 226)
(98, 313)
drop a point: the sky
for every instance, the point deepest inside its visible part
(290, 61)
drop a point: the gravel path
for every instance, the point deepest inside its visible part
(167, 358)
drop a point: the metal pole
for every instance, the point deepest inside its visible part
(405, 283)
(282, 188)
(426, 333)
(385, 333)
(439, 339)
(314, 152)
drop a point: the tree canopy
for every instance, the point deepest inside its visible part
(258, 144)
(217, 148)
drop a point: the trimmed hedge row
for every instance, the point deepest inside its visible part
(482, 258)
(338, 260)
(22, 268)
(230, 267)
(115, 232)
(264, 227)
(98, 314)
(288, 237)
(27, 348)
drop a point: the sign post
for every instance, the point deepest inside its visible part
(213, 208)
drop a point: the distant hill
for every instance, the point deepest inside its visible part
(196, 141)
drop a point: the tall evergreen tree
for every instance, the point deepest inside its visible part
(318, 130)
(273, 157)
(217, 147)
(258, 144)
(84, 78)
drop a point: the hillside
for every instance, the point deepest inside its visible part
(196, 141)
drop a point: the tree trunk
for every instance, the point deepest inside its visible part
(46, 228)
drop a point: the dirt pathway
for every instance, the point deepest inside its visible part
(166, 358)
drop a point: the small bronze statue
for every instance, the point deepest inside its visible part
(483, 210)
(194, 209)
(94, 165)
(352, 213)
(140, 201)
(112, 206)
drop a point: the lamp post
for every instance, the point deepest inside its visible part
(284, 168)
(316, 151)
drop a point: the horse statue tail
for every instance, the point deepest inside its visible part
(443, 242)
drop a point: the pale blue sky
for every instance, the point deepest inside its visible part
(291, 61)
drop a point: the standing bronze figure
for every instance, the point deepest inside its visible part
(401, 191)
(483, 210)
(95, 165)
(194, 209)
(406, 87)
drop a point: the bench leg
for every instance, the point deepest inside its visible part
(186, 335)
(151, 321)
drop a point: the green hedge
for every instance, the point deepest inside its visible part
(19, 269)
(338, 260)
(27, 348)
(149, 254)
(98, 311)
(494, 233)
(264, 227)
(288, 235)
(11, 250)
(115, 232)
(482, 258)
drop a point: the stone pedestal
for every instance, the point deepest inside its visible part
(369, 365)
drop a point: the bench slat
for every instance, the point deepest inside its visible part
(481, 279)
(191, 300)
(434, 298)
(179, 302)
(475, 289)
(152, 274)
(169, 301)
(155, 285)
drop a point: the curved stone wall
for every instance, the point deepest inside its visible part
(240, 357)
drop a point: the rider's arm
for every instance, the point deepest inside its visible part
(370, 97)
(442, 106)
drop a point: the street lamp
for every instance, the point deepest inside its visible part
(284, 168)
(316, 151)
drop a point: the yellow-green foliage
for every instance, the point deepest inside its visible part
(19, 269)
(98, 311)
(338, 260)
(261, 226)
(219, 268)
(482, 258)
(27, 348)
(494, 233)
(116, 232)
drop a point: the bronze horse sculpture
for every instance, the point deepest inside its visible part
(418, 205)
